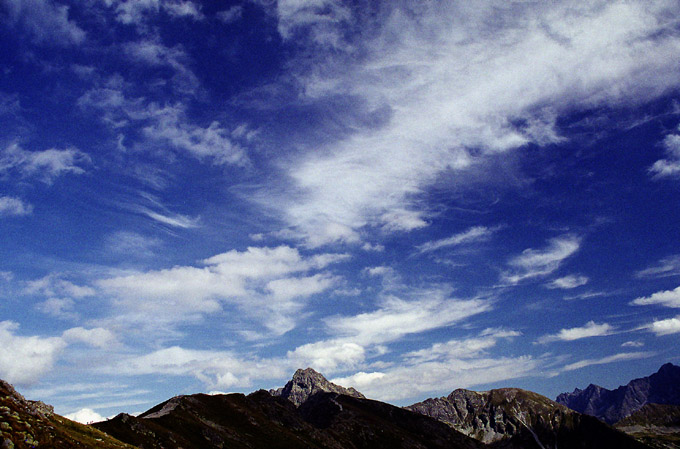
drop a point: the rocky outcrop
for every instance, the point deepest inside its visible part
(515, 418)
(308, 382)
(29, 424)
(662, 387)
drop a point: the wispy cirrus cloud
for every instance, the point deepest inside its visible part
(153, 53)
(669, 167)
(48, 23)
(534, 263)
(138, 11)
(474, 234)
(666, 267)
(591, 329)
(621, 357)
(166, 124)
(439, 118)
(47, 164)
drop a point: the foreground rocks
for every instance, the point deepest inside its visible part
(31, 424)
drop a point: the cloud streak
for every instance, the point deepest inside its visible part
(534, 263)
(459, 87)
(667, 298)
(591, 329)
(470, 235)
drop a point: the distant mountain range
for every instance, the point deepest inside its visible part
(311, 412)
(662, 387)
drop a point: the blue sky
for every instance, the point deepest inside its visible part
(409, 199)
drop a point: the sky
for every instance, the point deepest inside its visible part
(408, 197)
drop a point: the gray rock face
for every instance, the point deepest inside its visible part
(494, 415)
(662, 387)
(308, 382)
(511, 418)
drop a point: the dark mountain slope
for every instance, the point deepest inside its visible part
(29, 424)
(657, 425)
(662, 387)
(514, 418)
(363, 423)
(202, 421)
(260, 420)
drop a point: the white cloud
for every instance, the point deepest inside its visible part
(137, 11)
(47, 22)
(131, 243)
(174, 220)
(442, 368)
(23, 360)
(373, 247)
(230, 15)
(610, 359)
(591, 329)
(568, 282)
(665, 327)
(153, 53)
(62, 308)
(47, 164)
(10, 206)
(379, 271)
(458, 349)
(323, 19)
(424, 310)
(473, 234)
(667, 298)
(217, 369)
(668, 266)
(541, 262)
(97, 337)
(632, 344)
(54, 285)
(459, 86)
(328, 356)
(354, 338)
(265, 283)
(85, 416)
(669, 167)
(164, 124)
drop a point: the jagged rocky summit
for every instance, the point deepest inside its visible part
(520, 419)
(308, 382)
(662, 387)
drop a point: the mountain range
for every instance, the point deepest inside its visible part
(311, 412)
(662, 387)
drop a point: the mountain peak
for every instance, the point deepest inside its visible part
(662, 387)
(307, 382)
(516, 418)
